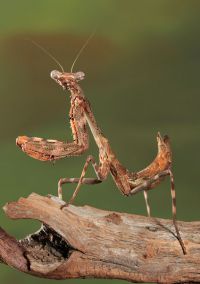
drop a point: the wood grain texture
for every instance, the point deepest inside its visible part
(80, 242)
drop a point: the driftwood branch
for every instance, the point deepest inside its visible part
(80, 242)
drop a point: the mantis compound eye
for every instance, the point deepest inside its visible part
(79, 76)
(55, 75)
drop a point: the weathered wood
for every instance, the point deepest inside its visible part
(79, 242)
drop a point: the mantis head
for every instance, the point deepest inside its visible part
(67, 80)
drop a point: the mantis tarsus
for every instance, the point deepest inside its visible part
(80, 114)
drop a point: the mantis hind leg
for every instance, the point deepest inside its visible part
(173, 195)
(149, 184)
(147, 203)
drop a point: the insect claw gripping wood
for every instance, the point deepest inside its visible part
(80, 115)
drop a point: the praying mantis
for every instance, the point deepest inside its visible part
(80, 114)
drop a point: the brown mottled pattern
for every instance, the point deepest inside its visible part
(45, 150)
(78, 122)
(162, 160)
(80, 114)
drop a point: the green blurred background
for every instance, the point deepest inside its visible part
(142, 75)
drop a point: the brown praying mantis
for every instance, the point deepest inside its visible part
(80, 114)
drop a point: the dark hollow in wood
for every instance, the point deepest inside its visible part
(81, 242)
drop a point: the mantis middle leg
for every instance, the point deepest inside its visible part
(101, 173)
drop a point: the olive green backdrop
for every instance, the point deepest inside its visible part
(142, 76)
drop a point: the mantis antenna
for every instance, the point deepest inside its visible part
(48, 53)
(81, 50)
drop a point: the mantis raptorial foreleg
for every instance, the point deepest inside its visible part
(49, 149)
